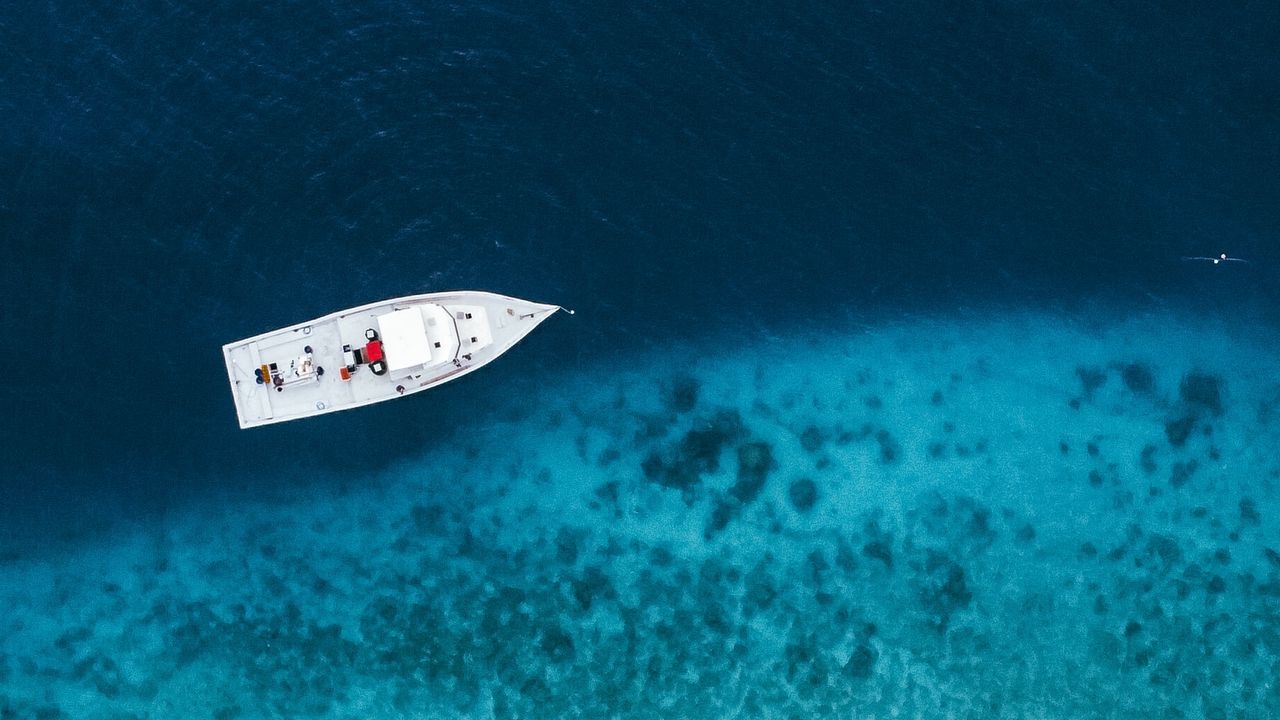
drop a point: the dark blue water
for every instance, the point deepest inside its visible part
(180, 175)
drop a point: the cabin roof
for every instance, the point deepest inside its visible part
(405, 338)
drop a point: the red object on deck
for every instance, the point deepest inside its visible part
(345, 373)
(373, 351)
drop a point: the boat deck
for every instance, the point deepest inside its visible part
(448, 335)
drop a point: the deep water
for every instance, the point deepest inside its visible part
(727, 194)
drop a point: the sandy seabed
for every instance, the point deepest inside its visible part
(1021, 517)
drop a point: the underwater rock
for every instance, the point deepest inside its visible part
(878, 550)
(963, 522)
(1181, 473)
(100, 670)
(653, 426)
(1091, 378)
(592, 586)
(557, 645)
(811, 439)
(755, 460)
(977, 521)
(722, 513)
(1163, 549)
(944, 590)
(879, 545)
(681, 396)
(717, 619)
(889, 449)
(535, 690)
(427, 519)
(1138, 378)
(608, 456)
(567, 540)
(1147, 459)
(861, 662)
(760, 591)
(1249, 512)
(698, 452)
(700, 448)
(818, 567)
(803, 494)
(845, 559)
(608, 492)
(1203, 391)
(1025, 534)
(1179, 429)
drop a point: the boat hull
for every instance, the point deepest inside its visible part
(375, 352)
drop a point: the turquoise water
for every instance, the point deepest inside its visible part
(889, 393)
(1022, 516)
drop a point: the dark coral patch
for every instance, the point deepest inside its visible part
(1025, 534)
(945, 590)
(879, 550)
(861, 662)
(760, 591)
(1163, 551)
(879, 544)
(701, 447)
(1147, 460)
(889, 449)
(755, 460)
(1091, 378)
(1179, 429)
(1138, 378)
(698, 452)
(811, 439)
(722, 514)
(1249, 512)
(1181, 473)
(682, 394)
(592, 586)
(1203, 391)
(803, 494)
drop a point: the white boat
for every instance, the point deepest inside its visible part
(372, 353)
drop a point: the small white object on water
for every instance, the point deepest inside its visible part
(1215, 260)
